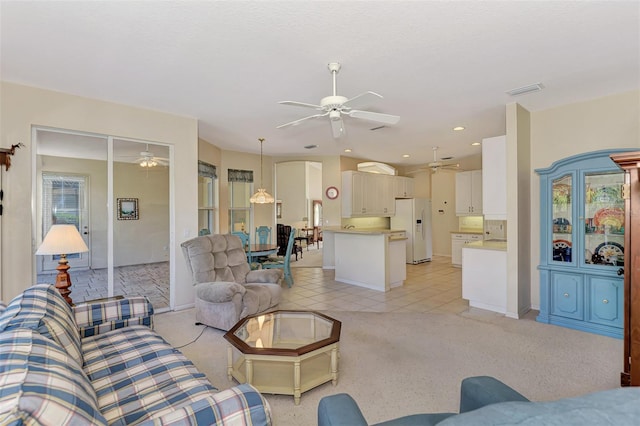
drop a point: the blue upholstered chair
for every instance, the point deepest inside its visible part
(244, 237)
(263, 235)
(285, 264)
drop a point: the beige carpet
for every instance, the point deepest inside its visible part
(398, 364)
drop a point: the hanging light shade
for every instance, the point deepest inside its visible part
(262, 196)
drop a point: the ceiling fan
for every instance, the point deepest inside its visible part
(148, 160)
(336, 106)
(436, 165)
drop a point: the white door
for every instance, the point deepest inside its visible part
(65, 201)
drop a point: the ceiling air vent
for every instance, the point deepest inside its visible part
(526, 89)
(310, 146)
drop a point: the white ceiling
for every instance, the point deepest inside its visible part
(438, 64)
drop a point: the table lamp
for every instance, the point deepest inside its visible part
(62, 240)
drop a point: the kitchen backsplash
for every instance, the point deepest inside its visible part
(367, 222)
(470, 223)
(495, 229)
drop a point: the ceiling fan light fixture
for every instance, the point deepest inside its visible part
(261, 196)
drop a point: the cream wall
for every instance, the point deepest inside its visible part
(22, 107)
(145, 240)
(292, 191)
(606, 123)
(518, 145)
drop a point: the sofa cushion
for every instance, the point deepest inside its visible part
(136, 374)
(41, 384)
(101, 316)
(43, 309)
(240, 405)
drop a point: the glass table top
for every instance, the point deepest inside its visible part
(284, 333)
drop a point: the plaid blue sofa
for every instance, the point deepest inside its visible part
(101, 363)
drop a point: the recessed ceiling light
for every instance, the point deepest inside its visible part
(347, 150)
(458, 128)
(475, 144)
(310, 146)
(405, 155)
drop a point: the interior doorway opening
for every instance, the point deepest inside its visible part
(82, 179)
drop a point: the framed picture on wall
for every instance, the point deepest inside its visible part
(127, 209)
(278, 209)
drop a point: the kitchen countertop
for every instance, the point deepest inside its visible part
(488, 245)
(372, 231)
(467, 232)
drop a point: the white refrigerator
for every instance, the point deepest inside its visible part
(414, 216)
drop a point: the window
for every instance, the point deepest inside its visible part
(240, 190)
(207, 199)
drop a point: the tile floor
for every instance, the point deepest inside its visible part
(434, 286)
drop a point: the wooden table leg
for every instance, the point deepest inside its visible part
(296, 383)
(334, 366)
(229, 362)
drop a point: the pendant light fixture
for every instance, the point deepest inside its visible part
(262, 196)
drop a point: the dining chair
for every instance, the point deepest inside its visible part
(244, 237)
(285, 264)
(263, 235)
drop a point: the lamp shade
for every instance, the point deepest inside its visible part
(261, 197)
(62, 239)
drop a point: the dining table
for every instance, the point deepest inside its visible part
(260, 250)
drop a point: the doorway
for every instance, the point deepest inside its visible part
(82, 179)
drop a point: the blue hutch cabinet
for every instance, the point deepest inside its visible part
(582, 244)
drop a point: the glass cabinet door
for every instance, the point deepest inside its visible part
(604, 219)
(562, 229)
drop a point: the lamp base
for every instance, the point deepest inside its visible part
(63, 280)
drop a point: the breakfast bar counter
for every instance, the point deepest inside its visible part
(371, 258)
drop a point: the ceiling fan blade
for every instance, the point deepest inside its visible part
(293, 123)
(374, 116)
(302, 104)
(337, 128)
(362, 98)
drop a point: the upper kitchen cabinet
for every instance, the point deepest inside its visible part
(494, 178)
(582, 244)
(367, 194)
(469, 193)
(403, 187)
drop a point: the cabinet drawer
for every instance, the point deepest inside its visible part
(567, 295)
(606, 300)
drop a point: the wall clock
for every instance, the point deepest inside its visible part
(332, 192)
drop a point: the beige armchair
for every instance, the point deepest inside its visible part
(226, 287)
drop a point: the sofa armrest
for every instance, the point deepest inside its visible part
(102, 316)
(239, 405)
(476, 392)
(340, 410)
(265, 276)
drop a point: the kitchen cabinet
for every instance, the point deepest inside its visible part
(484, 276)
(494, 178)
(582, 244)
(367, 194)
(469, 193)
(374, 259)
(630, 375)
(458, 241)
(403, 187)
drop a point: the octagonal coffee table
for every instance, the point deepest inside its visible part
(284, 352)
